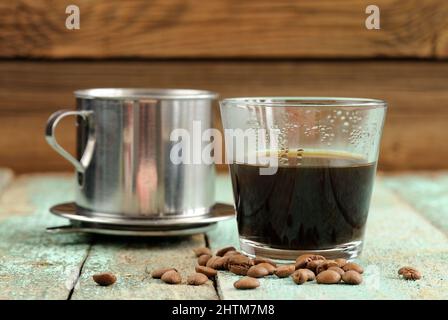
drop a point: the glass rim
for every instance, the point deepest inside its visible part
(332, 102)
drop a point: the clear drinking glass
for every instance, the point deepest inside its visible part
(302, 172)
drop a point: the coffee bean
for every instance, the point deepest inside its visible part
(313, 264)
(158, 273)
(230, 253)
(328, 277)
(239, 264)
(326, 265)
(352, 277)
(239, 270)
(104, 279)
(202, 260)
(258, 260)
(247, 283)
(209, 272)
(197, 279)
(202, 250)
(304, 259)
(285, 270)
(310, 274)
(223, 263)
(301, 276)
(267, 266)
(212, 262)
(341, 262)
(223, 251)
(353, 266)
(257, 271)
(409, 273)
(171, 277)
(219, 263)
(337, 269)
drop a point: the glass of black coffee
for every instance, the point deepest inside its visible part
(302, 172)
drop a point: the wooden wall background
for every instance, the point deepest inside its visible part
(234, 47)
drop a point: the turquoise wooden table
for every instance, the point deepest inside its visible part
(408, 225)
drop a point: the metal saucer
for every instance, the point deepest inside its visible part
(134, 231)
(71, 211)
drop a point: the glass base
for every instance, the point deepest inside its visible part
(348, 251)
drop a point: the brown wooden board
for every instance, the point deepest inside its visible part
(231, 28)
(417, 93)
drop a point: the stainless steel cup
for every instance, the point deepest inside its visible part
(123, 152)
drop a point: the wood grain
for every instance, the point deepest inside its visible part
(427, 192)
(231, 28)
(38, 265)
(33, 264)
(131, 260)
(417, 92)
(397, 235)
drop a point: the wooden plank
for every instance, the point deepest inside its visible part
(416, 91)
(231, 28)
(396, 236)
(36, 265)
(33, 264)
(6, 176)
(129, 260)
(427, 192)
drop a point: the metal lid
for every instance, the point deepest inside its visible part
(142, 93)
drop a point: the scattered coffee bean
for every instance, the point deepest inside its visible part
(231, 253)
(326, 265)
(222, 263)
(352, 277)
(257, 271)
(202, 260)
(239, 264)
(285, 270)
(313, 264)
(209, 272)
(197, 279)
(104, 279)
(409, 273)
(219, 263)
(310, 274)
(353, 266)
(258, 260)
(202, 250)
(337, 269)
(158, 273)
(304, 259)
(171, 277)
(341, 262)
(223, 251)
(247, 283)
(267, 266)
(301, 276)
(328, 277)
(212, 261)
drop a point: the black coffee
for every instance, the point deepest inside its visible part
(321, 203)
